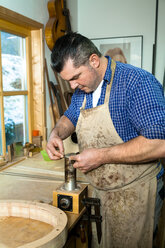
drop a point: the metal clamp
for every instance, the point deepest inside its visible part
(90, 202)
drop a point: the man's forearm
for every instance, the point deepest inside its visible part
(137, 150)
(64, 128)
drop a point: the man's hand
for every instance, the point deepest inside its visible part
(62, 130)
(87, 160)
(55, 147)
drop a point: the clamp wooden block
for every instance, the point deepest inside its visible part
(70, 201)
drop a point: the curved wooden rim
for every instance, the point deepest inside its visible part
(42, 212)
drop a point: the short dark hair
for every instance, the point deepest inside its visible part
(74, 46)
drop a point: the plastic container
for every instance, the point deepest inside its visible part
(45, 155)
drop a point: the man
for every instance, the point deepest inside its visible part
(118, 112)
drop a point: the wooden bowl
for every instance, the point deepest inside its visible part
(27, 224)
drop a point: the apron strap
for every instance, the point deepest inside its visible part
(84, 103)
(109, 86)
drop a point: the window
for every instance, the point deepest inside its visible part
(22, 94)
(14, 88)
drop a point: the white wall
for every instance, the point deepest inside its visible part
(160, 57)
(108, 18)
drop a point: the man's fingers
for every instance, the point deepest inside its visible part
(56, 147)
(75, 165)
(74, 158)
(55, 150)
(54, 155)
(51, 150)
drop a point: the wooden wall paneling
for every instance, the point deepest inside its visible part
(13, 28)
(64, 88)
(2, 108)
(29, 87)
(43, 88)
(51, 107)
(18, 19)
(15, 93)
(60, 87)
(38, 82)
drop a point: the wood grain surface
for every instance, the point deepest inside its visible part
(17, 231)
(31, 224)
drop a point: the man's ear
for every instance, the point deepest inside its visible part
(94, 60)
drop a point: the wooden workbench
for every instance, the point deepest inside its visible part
(35, 179)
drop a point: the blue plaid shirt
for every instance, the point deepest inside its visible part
(136, 105)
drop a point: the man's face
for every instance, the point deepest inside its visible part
(85, 77)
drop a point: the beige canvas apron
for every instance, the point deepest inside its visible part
(127, 192)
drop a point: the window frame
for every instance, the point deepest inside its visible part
(32, 31)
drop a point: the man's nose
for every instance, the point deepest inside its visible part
(73, 84)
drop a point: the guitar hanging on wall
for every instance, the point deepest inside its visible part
(58, 23)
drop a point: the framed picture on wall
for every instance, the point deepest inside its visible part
(131, 47)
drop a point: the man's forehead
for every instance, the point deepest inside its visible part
(70, 68)
(69, 71)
